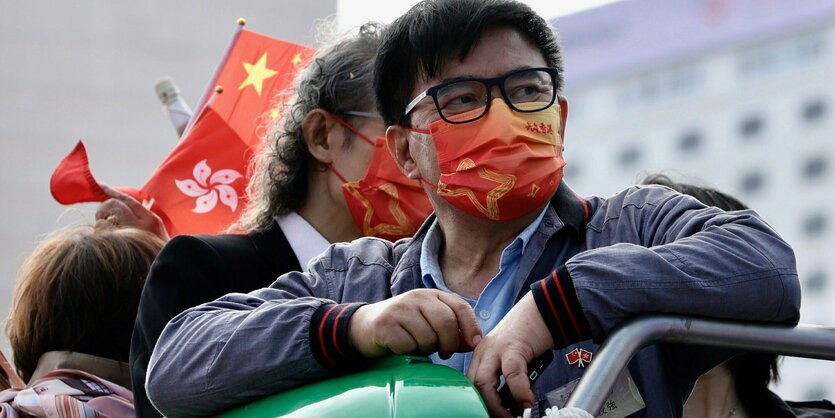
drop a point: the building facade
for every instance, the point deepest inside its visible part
(736, 95)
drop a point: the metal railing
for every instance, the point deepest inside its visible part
(803, 340)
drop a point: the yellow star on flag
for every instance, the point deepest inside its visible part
(297, 59)
(274, 114)
(258, 72)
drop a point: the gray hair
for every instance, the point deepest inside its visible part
(338, 80)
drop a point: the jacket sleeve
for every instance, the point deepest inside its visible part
(673, 255)
(241, 347)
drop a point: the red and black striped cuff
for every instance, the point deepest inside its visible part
(557, 302)
(329, 336)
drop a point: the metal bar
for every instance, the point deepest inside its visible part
(803, 340)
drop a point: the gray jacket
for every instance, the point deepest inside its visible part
(644, 250)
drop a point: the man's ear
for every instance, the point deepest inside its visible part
(563, 116)
(315, 127)
(397, 139)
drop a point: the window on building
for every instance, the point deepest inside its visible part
(808, 48)
(658, 86)
(751, 126)
(816, 282)
(815, 167)
(752, 182)
(814, 111)
(814, 225)
(690, 142)
(629, 156)
(782, 55)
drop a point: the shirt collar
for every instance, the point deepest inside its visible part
(304, 239)
(431, 246)
(105, 368)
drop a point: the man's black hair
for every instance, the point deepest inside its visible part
(434, 32)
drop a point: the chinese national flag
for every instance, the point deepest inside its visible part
(199, 187)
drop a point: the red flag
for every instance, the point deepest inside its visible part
(72, 181)
(199, 187)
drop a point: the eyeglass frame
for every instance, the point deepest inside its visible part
(489, 83)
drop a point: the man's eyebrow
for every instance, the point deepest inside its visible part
(469, 76)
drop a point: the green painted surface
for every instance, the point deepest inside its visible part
(396, 387)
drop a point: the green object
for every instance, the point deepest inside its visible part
(395, 387)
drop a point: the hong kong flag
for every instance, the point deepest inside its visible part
(199, 187)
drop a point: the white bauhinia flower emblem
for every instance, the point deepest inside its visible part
(207, 187)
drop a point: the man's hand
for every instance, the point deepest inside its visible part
(518, 338)
(419, 321)
(123, 210)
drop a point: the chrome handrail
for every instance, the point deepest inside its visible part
(803, 340)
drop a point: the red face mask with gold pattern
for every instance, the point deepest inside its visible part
(501, 166)
(384, 203)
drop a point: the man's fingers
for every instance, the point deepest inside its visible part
(468, 324)
(483, 372)
(400, 341)
(421, 331)
(515, 371)
(445, 325)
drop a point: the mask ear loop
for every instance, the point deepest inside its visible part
(420, 131)
(352, 129)
(338, 174)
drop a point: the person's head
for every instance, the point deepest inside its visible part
(310, 140)
(433, 38)
(706, 195)
(79, 291)
(752, 371)
(445, 60)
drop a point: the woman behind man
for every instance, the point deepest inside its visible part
(321, 177)
(70, 321)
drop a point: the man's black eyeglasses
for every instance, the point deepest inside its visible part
(456, 98)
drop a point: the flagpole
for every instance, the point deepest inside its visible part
(211, 91)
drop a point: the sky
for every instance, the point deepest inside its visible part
(351, 13)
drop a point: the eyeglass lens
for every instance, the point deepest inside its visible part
(522, 87)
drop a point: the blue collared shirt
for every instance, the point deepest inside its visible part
(497, 297)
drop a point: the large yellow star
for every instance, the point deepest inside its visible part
(258, 72)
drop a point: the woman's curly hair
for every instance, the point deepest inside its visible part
(339, 79)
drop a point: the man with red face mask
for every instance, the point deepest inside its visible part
(512, 265)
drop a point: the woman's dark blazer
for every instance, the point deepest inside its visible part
(194, 269)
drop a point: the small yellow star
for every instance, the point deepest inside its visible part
(274, 114)
(297, 58)
(257, 73)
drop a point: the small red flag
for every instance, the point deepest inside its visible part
(199, 187)
(72, 181)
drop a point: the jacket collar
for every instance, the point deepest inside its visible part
(272, 245)
(572, 209)
(105, 368)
